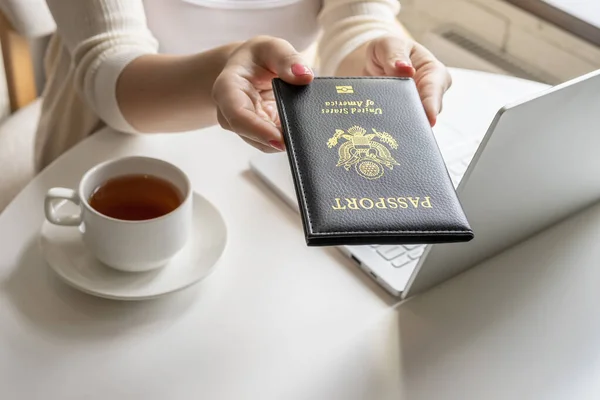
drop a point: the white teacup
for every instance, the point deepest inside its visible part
(126, 245)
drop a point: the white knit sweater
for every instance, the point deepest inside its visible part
(96, 39)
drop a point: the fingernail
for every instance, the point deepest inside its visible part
(403, 64)
(277, 145)
(301, 70)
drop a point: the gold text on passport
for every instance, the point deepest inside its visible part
(351, 107)
(366, 203)
(361, 151)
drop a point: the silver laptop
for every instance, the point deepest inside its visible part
(537, 163)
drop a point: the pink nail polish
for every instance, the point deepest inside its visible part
(402, 64)
(277, 145)
(301, 70)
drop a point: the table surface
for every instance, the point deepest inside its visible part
(279, 320)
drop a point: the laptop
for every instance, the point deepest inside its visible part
(537, 164)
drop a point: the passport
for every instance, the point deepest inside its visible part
(366, 167)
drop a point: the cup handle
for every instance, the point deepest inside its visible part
(52, 197)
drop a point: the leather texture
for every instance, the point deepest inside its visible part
(365, 163)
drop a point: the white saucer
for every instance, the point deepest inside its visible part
(63, 249)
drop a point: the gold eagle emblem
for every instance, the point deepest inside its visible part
(362, 151)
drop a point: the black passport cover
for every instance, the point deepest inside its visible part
(365, 163)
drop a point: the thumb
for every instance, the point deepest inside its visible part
(282, 59)
(393, 56)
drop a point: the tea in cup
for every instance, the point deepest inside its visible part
(135, 213)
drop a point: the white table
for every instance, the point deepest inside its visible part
(278, 320)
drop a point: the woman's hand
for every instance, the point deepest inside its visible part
(243, 92)
(399, 56)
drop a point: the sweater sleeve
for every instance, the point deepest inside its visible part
(31, 18)
(103, 36)
(348, 24)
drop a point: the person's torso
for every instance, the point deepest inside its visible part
(181, 27)
(191, 26)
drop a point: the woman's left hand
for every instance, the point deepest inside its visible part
(398, 56)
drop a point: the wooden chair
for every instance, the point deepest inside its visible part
(18, 66)
(20, 21)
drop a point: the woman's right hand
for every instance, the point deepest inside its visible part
(244, 95)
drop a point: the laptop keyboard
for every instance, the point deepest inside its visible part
(400, 256)
(458, 163)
